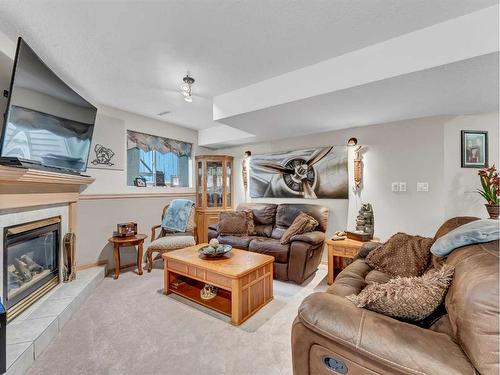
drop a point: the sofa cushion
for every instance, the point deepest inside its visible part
(277, 233)
(263, 213)
(303, 223)
(351, 280)
(263, 230)
(272, 247)
(233, 223)
(409, 298)
(171, 243)
(286, 214)
(375, 276)
(238, 242)
(402, 255)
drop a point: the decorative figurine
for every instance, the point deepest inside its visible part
(208, 292)
(365, 218)
(357, 168)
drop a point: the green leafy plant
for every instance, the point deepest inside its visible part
(490, 185)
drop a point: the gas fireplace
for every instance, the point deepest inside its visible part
(30, 263)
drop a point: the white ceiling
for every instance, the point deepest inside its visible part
(465, 87)
(132, 54)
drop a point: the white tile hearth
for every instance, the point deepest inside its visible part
(30, 333)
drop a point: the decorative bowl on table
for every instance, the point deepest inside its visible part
(214, 251)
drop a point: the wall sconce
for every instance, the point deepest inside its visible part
(244, 169)
(352, 141)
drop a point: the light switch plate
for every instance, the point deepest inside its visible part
(395, 186)
(422, 186)
(402, 186)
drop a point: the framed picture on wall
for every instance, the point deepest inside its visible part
(474, 149)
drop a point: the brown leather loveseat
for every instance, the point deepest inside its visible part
(332, 336)
(295, 261)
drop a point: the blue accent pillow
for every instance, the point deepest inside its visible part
(477, 231)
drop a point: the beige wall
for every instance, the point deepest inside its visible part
(97, 218)
(114, 181)
(420, 150)
(461, 184)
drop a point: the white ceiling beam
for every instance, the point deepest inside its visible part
(462, 38)
(221, 134)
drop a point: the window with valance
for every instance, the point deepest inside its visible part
(158, 160)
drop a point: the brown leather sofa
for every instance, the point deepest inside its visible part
(295, 261)
(331, 333)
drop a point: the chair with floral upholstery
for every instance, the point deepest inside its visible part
(167, 241)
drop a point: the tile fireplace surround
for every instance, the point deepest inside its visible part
(28, 195)
(21, 216)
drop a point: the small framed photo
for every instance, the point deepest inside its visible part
(140, 182)
(474, 149)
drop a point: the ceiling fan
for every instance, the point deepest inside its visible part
(297, 174)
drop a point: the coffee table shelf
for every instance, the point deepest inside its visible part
(244, 279)
(190, 289)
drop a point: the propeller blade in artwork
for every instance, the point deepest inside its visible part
(317, 156)
(272, 167)
(308, 191)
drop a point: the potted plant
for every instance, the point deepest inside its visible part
(490, 189)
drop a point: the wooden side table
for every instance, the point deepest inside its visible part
(137, 240)
(337, 251)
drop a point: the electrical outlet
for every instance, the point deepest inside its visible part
(402, 186)
(395, 186)
(422, 186)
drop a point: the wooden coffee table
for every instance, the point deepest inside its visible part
(244, 279)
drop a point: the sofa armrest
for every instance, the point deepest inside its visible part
(367, 248)
(214, 227)
(400, 346)
(313, 238)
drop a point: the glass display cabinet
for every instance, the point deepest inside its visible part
(214, 190)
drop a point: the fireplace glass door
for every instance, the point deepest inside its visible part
(30, 261)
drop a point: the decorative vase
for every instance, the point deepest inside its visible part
(493, 210)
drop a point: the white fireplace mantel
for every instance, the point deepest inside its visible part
(21, 187)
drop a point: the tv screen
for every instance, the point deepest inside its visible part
(46, 121)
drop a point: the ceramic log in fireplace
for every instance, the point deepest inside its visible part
(31, 263)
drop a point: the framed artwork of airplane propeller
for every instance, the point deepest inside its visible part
(315, 173)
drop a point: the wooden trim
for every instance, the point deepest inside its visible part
(12, 174)
(34, 225)
(28, 200)
(100, 262)
(85, 197)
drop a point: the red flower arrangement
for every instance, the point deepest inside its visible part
(490, 182)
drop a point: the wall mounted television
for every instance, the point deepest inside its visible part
(47, 125)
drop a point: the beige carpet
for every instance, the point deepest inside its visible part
(127, 326)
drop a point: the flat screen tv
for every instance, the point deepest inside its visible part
(47, 124)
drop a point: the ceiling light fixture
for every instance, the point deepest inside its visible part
(186, 88)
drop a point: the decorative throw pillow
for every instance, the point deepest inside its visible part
(303, 223)
(402, 255)
(478, 231)
(408, 298)
(250, 223)
(233, 223)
